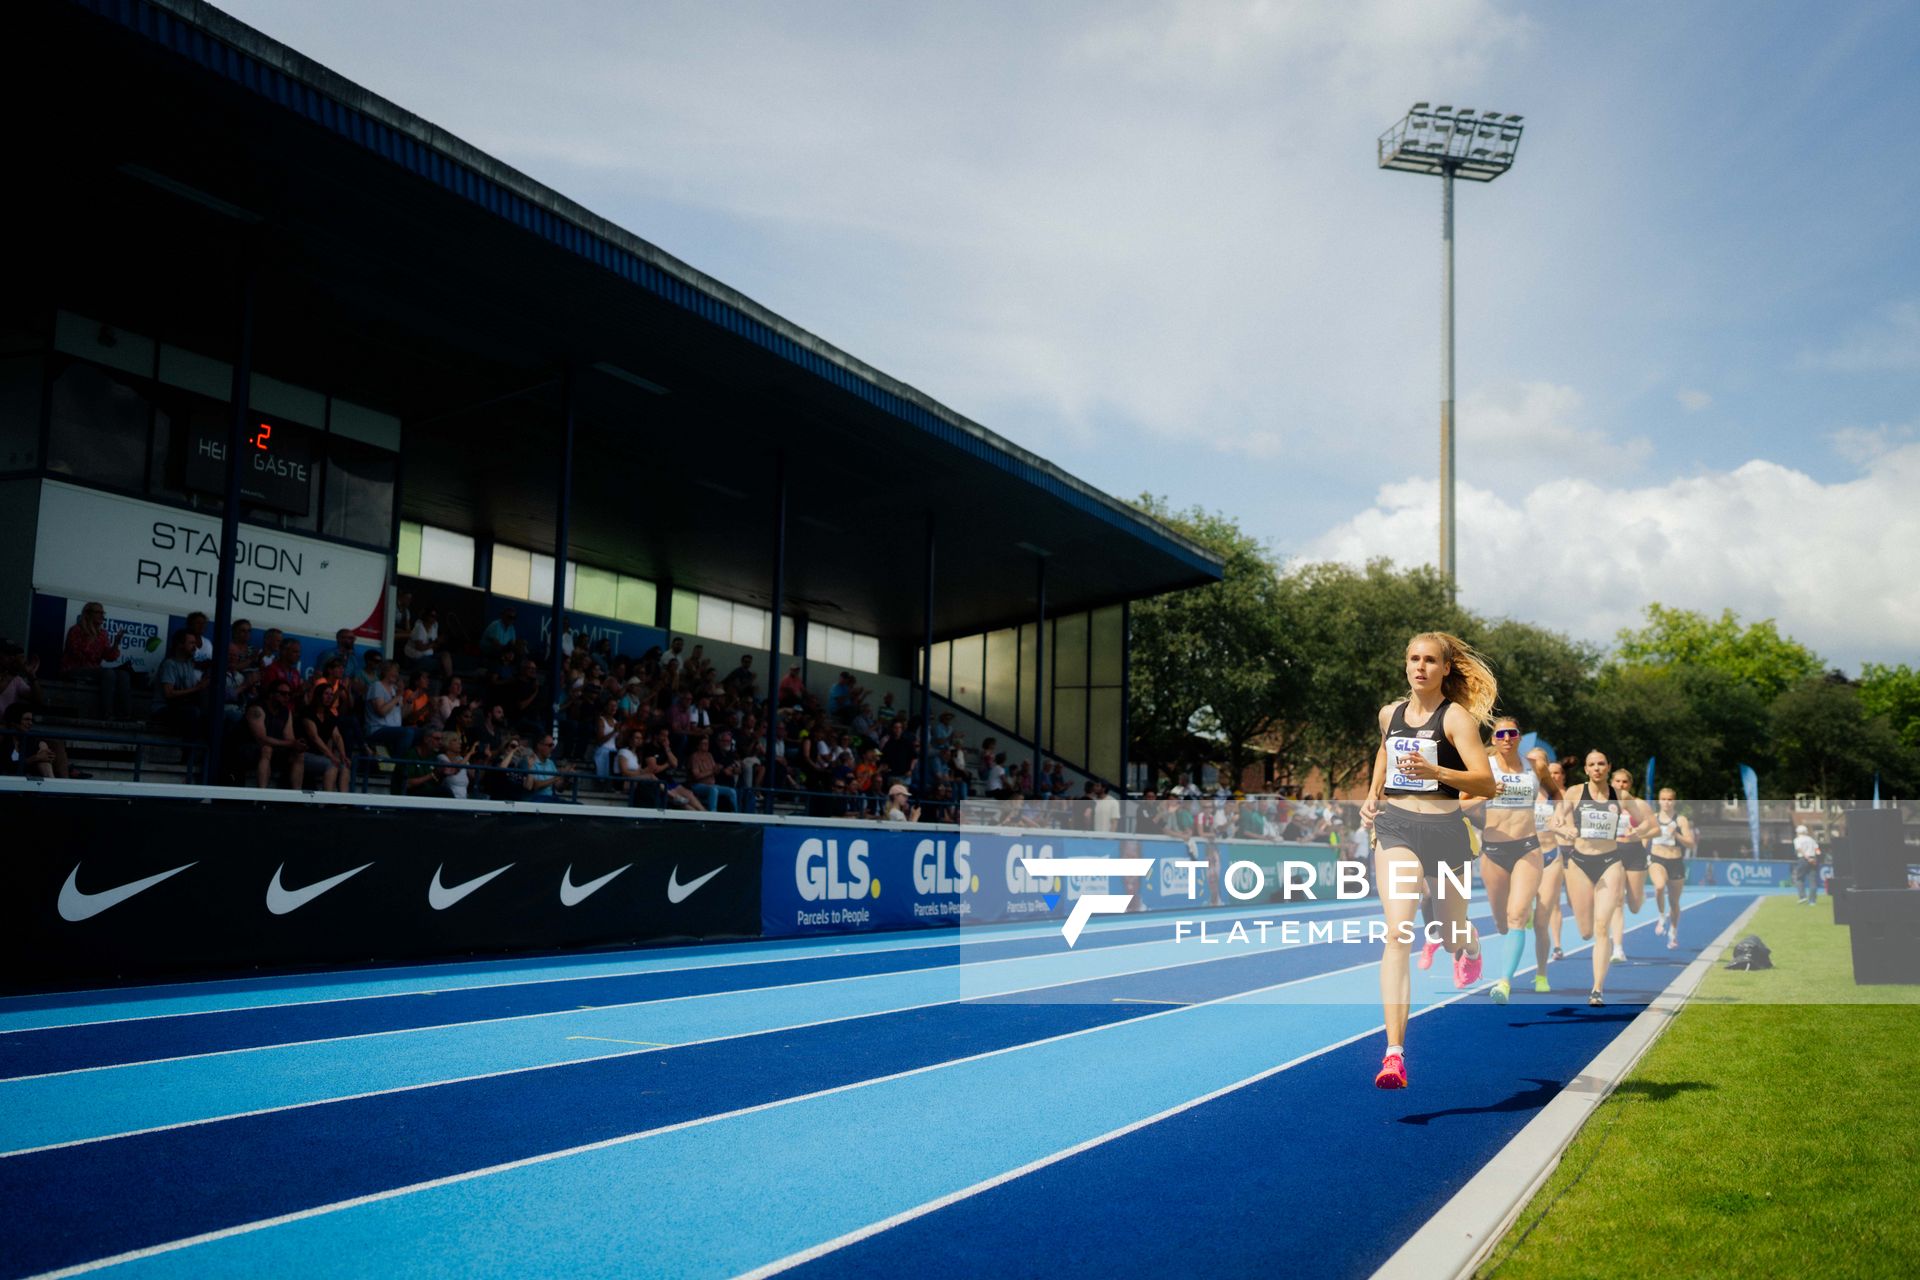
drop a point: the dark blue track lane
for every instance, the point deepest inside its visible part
(1311, 1172)
(36, 1052)
(72, 1204)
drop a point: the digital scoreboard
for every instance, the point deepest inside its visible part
(276, 466)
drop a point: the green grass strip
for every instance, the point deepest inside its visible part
(1772, 1131)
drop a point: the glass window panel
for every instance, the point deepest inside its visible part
(1070, 650)
(942, 667)
(512, 572)
(20, 413)
(683, 613)
(359, 488)
(409, 551)
(1067, 734)
(969, 653)
(1003, 676)
(816, 641)
(357, 422)
(1106, 645)
(103, 344)
(839, 647)
(637, 601)
(446, 556)
(1103, 733)
(191, 372)
(1024, 725)
(866, 653)
(749, 626)
(284, 400)
(716, 618)
(100, 428)
(786, 635)
(539, 578)
(597, 591)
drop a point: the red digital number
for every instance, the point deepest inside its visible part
(260, 440)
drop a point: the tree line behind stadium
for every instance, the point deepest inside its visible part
(1289, 667)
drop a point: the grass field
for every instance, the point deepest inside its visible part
(1772, 1130)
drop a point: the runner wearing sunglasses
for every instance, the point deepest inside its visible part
(1510, 859)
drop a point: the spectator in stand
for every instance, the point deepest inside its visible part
(275, 735)
(899, 752)
(454, 775)
(1806, 866)
(419, 773)
(704, 778)
(423, 645)
(490, 736)
(285, 669)
(793, 690)
(1106, 807)
(451, 698)
(842, 698)
(662, 764)
(887, 712)
(900, 807)
(343, 649)
(1055, 783)
(606, 736)
(241, 655)
(543, 773)
(865, 728)
(643, 789)
(202, 647)
(999, 785)
(92, 658)
(942, 732)
(17, 672)
(733, 769)
(740, 682)
(180, 691)
(416, 702)
(28, 755)
(521, 696)
(500, 640)
(269, 647)
(384, 728)
(325, 748)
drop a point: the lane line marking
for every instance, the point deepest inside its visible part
(686, 1044)
(650, 1044)
(987, 1184)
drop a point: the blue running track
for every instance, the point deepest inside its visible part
(910, 1103)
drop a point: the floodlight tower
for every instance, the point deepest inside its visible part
(1478, 146)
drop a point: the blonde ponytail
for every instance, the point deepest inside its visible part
(1470, 681)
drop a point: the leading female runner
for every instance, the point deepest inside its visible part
(1430, 752)
(1510, 859)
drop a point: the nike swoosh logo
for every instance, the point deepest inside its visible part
(77, 906)
(572, 895)
(281, 899)
(677, 892)
(440, 896)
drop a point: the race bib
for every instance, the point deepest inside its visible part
(1599, 824)
(1668, 837)
(1543, 814)
(1514, 793)
(1427, 749)
(1626, 824)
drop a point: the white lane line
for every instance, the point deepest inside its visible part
(685, 1044)
(838, 949)
(1000, 1179)
(208, 1237)
(1457, 1239)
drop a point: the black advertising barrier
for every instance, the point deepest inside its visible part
(131, 889)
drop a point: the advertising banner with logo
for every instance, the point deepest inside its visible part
(102, 546)
(158, 886)
(1734, 874)
(143, 633)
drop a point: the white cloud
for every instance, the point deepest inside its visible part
(1693, 400)
(1863, 445)
(1524, 433)
(1890, 343)
(1833, 563)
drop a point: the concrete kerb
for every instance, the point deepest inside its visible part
(1457, 1239)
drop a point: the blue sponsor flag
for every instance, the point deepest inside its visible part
(1649, 791)
(1876, 788)
(1528, 741)
(1750, 783)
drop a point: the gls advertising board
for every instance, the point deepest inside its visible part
(853, 878)
(94, 545)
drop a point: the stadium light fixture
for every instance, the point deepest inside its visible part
(1449, 144)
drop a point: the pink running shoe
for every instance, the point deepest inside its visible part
(1466, 970)
(1393, 1073)
(1426, 955)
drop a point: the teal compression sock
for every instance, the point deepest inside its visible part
(1517, 943)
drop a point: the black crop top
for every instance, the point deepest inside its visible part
(1429, 740)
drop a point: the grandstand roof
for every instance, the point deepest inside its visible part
(402, 268)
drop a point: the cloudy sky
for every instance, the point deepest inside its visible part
(1149, 240)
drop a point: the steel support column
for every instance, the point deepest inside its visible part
(767, 776)
(925, 780)
(562, 535)
(239, 413)
(1040, 668)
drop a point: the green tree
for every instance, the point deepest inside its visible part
(1893, 692)
(1756, 654)
(1208, 662)
(1546, 679)
(1826, 742)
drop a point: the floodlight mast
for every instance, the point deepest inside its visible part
(1449, 143)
